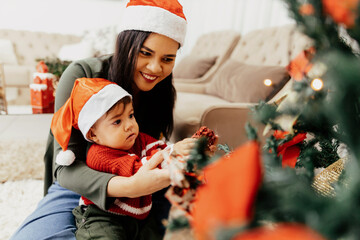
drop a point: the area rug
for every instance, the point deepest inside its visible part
(21, 182)
(17, 200)
(21, 159)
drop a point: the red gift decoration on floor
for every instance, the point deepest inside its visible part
(47, 79)
(42, 90)
(40, 100)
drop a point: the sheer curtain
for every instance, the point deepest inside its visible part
(204, 16)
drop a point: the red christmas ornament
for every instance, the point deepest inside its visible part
(306, 9)
(289, 151)
(227, 196)
(342, 11)
(300, 65)
(212, 138)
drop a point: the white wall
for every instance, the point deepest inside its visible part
(76, 16)
(60, 16)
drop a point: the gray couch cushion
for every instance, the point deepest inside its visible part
(240, 82)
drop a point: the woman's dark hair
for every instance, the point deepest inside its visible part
(154, 113)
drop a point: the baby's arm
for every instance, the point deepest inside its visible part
(183, 147)
(147, 179)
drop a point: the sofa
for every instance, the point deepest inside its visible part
(208, 54)
(224, 101)
(18, 53)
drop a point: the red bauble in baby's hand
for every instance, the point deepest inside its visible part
(212, 138)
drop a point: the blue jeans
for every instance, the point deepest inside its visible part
(53, 218)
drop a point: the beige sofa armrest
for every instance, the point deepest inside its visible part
(190, 80)
(190, 87)
(18, 75)
(230, 120)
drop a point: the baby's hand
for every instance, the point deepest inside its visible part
(184, 147)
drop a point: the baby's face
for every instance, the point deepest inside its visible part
(118, 128)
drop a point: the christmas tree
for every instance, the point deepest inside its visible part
(271, 190)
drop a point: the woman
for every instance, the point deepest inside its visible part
(142, 64)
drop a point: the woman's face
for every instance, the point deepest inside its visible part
(155, 61)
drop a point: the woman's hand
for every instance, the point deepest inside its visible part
(184, 146)
(147, 180)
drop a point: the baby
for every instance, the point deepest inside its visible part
(104, 113)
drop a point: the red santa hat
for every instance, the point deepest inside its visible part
(90, 99)
(165, 17)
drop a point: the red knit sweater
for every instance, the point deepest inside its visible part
(124, 163)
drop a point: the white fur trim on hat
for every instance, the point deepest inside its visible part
(65, 158)
(154, 19)
(98, 104)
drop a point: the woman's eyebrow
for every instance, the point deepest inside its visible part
(148, 49)
(152, 51)
(170, 55)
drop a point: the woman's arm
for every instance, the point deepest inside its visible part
(96, 185)
(147, 180)
(78, 177)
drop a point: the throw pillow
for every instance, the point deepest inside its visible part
(102, 39)
(7, 52)
(193, 67)
(76, 51)
(239, 82)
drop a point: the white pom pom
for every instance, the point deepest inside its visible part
(65, 158)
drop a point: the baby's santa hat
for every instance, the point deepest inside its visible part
(165, 17)
(90, 99)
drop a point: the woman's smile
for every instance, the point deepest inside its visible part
(148, 77)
